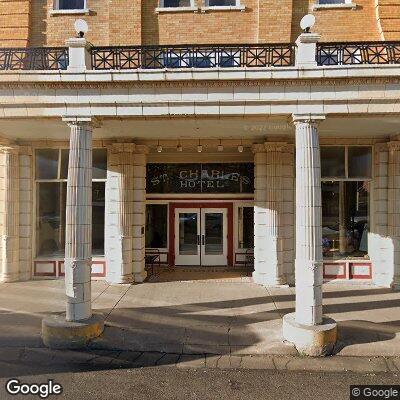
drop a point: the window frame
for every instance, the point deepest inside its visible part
(162, 5)
(346, 165)
(36, 182)
(343, 4)
(160, 203)
(57, 10)
(357, 179)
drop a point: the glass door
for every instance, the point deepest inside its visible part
(187, 236)
(214, 236)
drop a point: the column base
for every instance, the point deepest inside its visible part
(139, 277)
(58, 333)
(311, 340)
(120, 280)
(267, 280)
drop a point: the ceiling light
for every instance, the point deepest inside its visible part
(220, 146)
(159, 147)
(240, 147)
(179, 147)
(199, 147)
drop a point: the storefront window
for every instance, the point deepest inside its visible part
(345, 202)
(51, 189)
(156, 225)
(246, 227)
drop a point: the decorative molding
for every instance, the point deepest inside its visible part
(258, 148)
(308, 118)
(394, 145)
(218, 82)
(82, 121)
(274, 146)
(123, 147)
(9, 149)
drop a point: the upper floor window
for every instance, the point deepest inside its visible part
(222, 3)
(70, 4)
(176, 3)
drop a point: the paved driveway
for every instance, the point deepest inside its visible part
(224, 314)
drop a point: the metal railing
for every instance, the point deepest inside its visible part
(353, 53)
(36, 58)
(193, 56)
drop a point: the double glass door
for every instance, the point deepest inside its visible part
(201, 236)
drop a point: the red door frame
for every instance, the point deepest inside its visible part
(173, 206)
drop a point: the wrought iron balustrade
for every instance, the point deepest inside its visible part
(192, 56)
(358, 53)
(37, 58)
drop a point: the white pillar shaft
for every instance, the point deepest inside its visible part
(78, 235)
(267, 213)
(9, 215)
(394, 207)
(139, 216)
(308, 263)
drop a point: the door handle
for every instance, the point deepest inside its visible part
(198, 240)
(202, 240)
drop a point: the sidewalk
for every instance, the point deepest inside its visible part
(225, 321)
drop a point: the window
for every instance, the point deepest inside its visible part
(332, 1)
(346, 173)
(70, 4)
(156, 226)
(51, 172)
(222, 3)
(246, 227)
(176, 3)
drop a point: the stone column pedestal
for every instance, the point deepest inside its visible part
(311, 333)
(79, 324)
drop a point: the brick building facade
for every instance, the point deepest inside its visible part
(122, 22)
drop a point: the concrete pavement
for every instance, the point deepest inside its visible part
(210, 317)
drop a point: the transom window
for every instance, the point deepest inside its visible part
(51, 173)
(70, 4)
(176, 3)
(346, 187)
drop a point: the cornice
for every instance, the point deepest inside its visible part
(204, 83)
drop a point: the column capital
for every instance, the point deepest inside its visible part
(123, 147)
(258, 148)
(9, 149)
(274, 146)
(82, 121)
(142, 149)
(393, 145)
(308, 118)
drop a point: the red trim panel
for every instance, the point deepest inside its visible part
(336, 276)
(36, 263)
(353, 276)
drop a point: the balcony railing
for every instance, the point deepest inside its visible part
(193, 56)
(37, 58)
(358, 53)
(201, 56)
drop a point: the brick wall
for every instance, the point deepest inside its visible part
(14, 23)
(388, 14)
(121, 22)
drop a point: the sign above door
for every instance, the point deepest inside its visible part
(200, 178)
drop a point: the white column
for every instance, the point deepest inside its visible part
(311, 332)
(119, 210)
(394, 208)
(268, 211)
(78, 233)
(308, 264)
(9, 213)
(260, 213)
(139, 213)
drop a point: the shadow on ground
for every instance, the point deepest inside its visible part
(143, 332)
